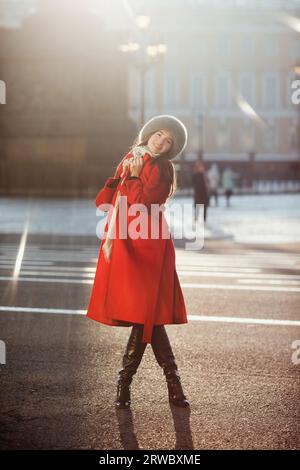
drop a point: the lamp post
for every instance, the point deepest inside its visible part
(201, 131)
(152, 51)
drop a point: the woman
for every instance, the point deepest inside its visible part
(200, 188)
(213, 176)
(228, 182)
(136, 283)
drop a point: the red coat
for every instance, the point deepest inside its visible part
(140, 283)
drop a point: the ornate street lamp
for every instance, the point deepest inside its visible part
(152, 51)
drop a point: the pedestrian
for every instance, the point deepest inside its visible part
(200, 188)
(228, 182)
(136, 283)
(213, 176)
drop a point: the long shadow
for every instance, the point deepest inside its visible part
(181, 418)
(126, 428)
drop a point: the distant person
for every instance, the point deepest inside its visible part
(213, 176)
(228, 182)
(200, 188)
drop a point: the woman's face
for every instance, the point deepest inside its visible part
(160, 142)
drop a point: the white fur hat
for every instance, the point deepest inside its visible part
(170, 123)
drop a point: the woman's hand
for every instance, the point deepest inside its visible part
(135, 165)
(124, 166)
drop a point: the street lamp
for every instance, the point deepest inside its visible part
(200, 123)
(153, 51)
(130, 47)
(142, 21)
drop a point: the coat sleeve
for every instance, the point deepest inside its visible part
(154, 191)
(105, 195)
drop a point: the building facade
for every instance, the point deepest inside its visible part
(227, 74)
(65, 125)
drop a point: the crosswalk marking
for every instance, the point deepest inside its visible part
(183, 284)
(73, 247)
(88, 272)
(194, 263)
(46, 279)
(10, 263)
(239, 287)
(270, 281)
(82, 270)
(191, 317)
(247, 277)
(238, 272)
(43, 269)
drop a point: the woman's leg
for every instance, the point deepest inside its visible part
(216, 197)
(164, 355)
(227, 194)
(195, 211)
(131, 361)
(205, 211)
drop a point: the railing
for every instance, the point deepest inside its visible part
(259, 187)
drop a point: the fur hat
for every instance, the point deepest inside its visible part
(170, 123)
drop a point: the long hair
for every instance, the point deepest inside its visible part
(165, 166)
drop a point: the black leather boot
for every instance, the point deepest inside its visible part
(131, 361)
(164, 355)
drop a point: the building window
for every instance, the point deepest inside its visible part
(290, 78)
(271, 90)
(293, 140)
(294, 48)
(222, 90)
(171, 90)
(198, 92)
(248, 136)
(247, 46)
(133, 87)
(271, 47)
(172, 46)
(271, 137)
(201, 48)
(223, 47)
(150, 89)
(223, 135)
(247, 87)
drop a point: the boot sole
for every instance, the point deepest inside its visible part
(180, 405)
(122, 406)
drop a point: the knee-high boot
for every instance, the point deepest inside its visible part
(164, 355)
(131, 361)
